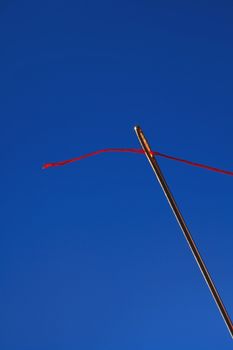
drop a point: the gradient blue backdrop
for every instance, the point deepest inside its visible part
(91, 256)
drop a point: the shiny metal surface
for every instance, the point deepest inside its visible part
(184, 228)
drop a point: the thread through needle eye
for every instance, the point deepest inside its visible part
(161, 179)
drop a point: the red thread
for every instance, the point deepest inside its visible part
(138, 151)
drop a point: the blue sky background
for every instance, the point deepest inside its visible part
(90, 254)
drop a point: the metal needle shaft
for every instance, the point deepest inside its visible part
(183, 226)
